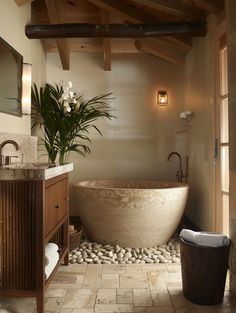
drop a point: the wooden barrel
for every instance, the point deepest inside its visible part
(204, 272)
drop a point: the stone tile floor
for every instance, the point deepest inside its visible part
(117, 288)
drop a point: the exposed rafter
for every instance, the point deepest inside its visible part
(115, 30)
(62, 44)
(128, 12)
(22, 2)
(173, 7)
(161, 50)
(211, 6)
(106, 43)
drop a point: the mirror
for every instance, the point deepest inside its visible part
(10, 79)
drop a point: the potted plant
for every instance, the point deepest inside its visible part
(66, 118)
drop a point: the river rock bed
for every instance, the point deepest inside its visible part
(95, 253)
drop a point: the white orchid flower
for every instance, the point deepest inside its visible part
(70, 84)
(71, 94)
(74, 101)
(65, 96)
(68, 109)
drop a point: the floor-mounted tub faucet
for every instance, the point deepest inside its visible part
(179, 174)
(4, 160)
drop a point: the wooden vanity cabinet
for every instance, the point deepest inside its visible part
(32, 213)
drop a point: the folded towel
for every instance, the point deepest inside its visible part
(204, 239)
(51, 264)
(50, 250)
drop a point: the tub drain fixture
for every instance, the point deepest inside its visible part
(95, 253)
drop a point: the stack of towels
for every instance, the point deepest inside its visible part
(51, 258)
(204, 239)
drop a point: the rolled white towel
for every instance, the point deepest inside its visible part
(50, 250)
(51, 264)
(204, 239)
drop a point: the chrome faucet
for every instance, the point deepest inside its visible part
(5, 160)
(179, 174)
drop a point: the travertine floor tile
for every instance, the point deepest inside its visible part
(82, 311)
(80, 299)
(92, 278)
(106, 296)
(66, 311)
(204, 309)
(113, 268)
(133, 281)
(180, 302)
(173, 268)
(113, 308)
(161, 298)
(75, 268)
(154, 310)
(156, 281)
(133, 268)
(68, 278)
(110, 283)
(20, 305)
(125, 296)
(56, 292)
(142, 297)
(53, 305)
(186, 310)
(225, 310)
(173, 277)
(155, 268)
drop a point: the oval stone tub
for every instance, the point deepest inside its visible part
(135, 214)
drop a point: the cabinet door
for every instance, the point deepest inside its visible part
(56, 203)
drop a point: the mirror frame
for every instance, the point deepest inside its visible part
(19, 61)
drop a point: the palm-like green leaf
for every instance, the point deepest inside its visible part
(67, 131)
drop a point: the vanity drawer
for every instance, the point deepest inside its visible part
(56, 202)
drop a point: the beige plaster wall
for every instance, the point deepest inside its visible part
(12, 24)
(199, 98)
(137, 143)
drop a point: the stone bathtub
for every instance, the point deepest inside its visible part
(135, 214)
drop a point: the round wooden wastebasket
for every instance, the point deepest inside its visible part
(203, 272)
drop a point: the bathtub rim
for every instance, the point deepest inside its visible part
(177, 185)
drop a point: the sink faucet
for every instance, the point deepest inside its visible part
(179, 174)
(5, 160)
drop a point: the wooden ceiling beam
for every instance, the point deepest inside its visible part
(22, 2)
(74, 30)
(62, 44)
(160, 50)
(211, 6)
(174, 7)
(129, 13)
(106, 43)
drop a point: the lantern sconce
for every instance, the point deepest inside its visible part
(26, 89)
(162, 98)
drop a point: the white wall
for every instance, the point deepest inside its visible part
(137, 143)
(12, 27)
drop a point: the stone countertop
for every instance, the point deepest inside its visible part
(33, 171)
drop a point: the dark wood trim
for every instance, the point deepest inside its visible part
(76, 30)
(23, 220)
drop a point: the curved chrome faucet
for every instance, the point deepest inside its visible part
(5, 160)
(179, 174)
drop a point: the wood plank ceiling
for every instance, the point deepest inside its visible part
(170, 48)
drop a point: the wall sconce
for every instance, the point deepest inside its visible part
(162, 98)
(26, 89)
